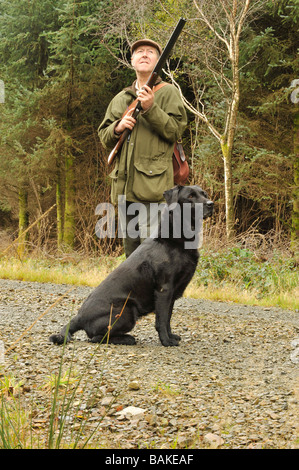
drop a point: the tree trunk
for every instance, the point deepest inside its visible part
(228, 190)
(69, 208)
(295, 215)
(69, 211)
(60, 211)
(23, 221)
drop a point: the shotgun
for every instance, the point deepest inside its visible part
(151, 82)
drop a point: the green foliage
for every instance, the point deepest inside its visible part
(242, 268)
(23, 49)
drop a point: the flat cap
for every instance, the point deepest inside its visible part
(146, 42)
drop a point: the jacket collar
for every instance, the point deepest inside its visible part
(132, 89)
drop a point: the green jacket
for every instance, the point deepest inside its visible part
(143, 170)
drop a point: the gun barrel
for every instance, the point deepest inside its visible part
(171, 42)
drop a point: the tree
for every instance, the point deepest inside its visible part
(295, 217)
(269, 84)
(223, 23)
(55, 71)
(23, 59)
(78, 71)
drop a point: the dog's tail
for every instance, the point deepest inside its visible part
(67, 331)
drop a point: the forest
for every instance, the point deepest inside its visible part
(236, 67)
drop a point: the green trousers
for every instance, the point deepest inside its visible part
(138, 223)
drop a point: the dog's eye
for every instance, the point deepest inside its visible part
(191, 196)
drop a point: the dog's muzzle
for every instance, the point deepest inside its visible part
(208, 208)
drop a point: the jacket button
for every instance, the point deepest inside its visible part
(150, 172)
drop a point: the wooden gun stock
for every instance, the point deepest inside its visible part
(151, 82)
(118, 146)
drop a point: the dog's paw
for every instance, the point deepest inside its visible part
(170, 342)
(174, 342)
(59, 339)
(56, 339)
(123, 339)
(175, 337)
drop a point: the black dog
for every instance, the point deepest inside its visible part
(150, 280)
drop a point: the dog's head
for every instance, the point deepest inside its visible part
(186, 207)
(190, 195)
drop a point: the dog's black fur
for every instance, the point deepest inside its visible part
(150, 280)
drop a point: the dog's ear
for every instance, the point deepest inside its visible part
(172, 195)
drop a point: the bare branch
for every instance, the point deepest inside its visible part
(220, 74)
(122, 60)
(204, 18)
(202, 116)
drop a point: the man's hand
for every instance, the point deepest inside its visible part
(146, 97)
(127, 122)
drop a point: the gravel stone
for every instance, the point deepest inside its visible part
(231, 383)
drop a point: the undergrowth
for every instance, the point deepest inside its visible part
(242, 275)
(234, 274)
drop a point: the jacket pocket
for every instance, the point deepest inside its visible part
(150, 180)
(114, 175)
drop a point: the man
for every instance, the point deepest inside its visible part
(143, 170)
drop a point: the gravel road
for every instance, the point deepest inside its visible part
(232, 382)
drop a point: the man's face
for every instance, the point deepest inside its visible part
(144, 59)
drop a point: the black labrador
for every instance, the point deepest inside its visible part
(149, 280)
